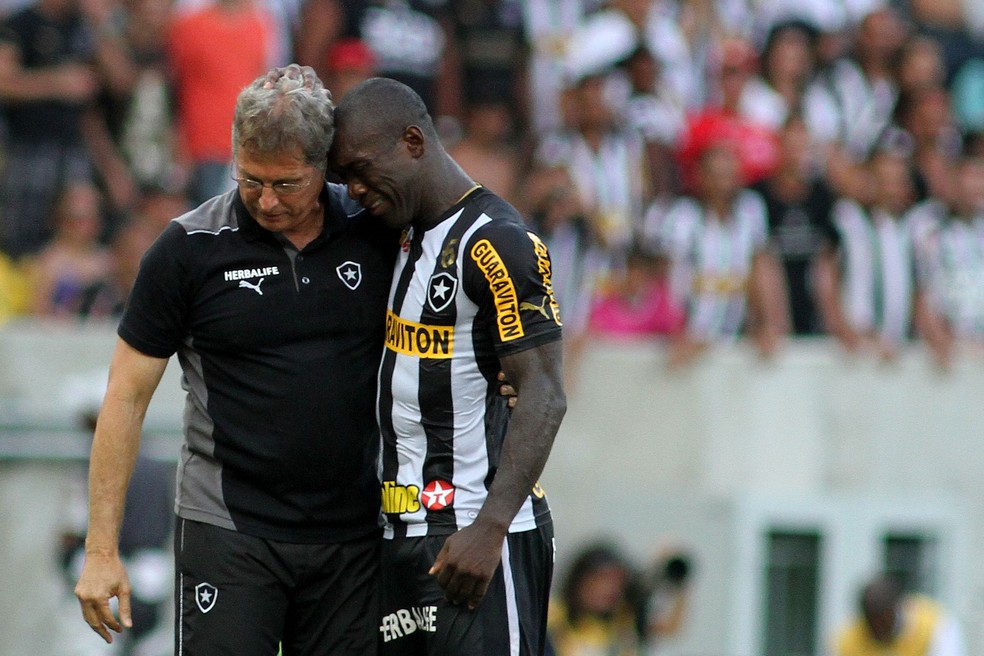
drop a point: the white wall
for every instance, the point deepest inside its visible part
(716, 454)
(710, 457)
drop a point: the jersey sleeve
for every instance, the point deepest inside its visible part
(155, 319)
(507, 273)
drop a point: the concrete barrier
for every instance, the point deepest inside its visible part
(714, 456)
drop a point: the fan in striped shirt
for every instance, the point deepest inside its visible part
(866, 288)
(950, 267)
(721, 269)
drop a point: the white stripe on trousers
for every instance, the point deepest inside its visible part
(181, 598)
(512, 608)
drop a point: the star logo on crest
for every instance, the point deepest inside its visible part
(441, 290)
(350, 273)
(437, 495)
(206, 595)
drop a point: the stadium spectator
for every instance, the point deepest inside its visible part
(140, 113)
(895, 622)
(721, 269)
(158, 204)
(597, 610)
(427, 62)
(657, 26)
(607, 605)
(549, 26)
(607, 163)
(487, 149)
(731, 115)
(657, 115)
(920, 64)
(14, 290)
(106, 297)
(866, 288)
(54, 59)
(799, 203)
(349, 61)
(950, 267)
(553, 207)
(923, 116)
(214, 51)
(74, 259)
(488, 37)
(146, 533)
(637, 302)
(790, 69)
(864, 84)
(956, 25)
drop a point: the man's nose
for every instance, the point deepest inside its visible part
(268, 198)
(356, 189)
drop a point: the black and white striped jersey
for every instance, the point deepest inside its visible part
(878, 270)
(949, 251)
(712, 260)
(473, 287)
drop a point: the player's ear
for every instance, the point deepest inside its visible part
(413, 138)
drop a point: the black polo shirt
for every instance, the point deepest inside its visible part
(279, 351)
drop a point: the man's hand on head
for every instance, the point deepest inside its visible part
(291, 72)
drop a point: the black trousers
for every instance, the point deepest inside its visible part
(511, 619)
(240, 595)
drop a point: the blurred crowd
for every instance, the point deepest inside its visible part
(702, 170)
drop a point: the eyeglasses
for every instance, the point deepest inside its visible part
(279, 188)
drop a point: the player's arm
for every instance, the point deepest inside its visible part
(133, 377)
(470, 557)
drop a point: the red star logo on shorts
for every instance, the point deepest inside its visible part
(437, 495)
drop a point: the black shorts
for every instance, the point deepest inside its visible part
(240, 595)
(511, 619)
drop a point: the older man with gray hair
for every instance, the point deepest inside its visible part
(273, 296)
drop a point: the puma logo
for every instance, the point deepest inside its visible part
(541, 308)
(256, 288)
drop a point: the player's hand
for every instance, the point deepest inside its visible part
(104, 577)
(507, 390)
(466, 563)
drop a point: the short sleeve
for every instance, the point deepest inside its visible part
(155, 319)
(508, 275)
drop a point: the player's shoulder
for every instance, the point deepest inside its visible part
(502, 217)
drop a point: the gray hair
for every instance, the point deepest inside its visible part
(286, 109)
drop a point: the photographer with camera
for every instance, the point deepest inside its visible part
(606, 606)
(666, 596)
